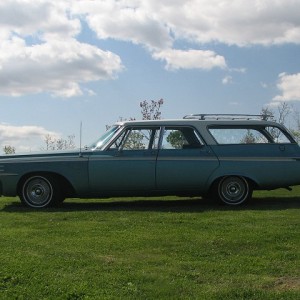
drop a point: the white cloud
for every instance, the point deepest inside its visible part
(23, 138)
(157, 23)
(289, 86)
(239, 70)
(232, 22)
(190, 59)
(39, 18)
(40, 50)
(58, 67)
(227, 80)
(126, 21)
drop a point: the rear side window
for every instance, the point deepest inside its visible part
(278, 135)
(180, 138)
(247, 135)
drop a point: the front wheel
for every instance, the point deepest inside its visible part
(40, 191)
(233, 190)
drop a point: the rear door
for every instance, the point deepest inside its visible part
(184, 162)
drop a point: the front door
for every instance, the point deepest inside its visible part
(128, 164)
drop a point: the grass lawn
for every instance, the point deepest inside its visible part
(157, 248)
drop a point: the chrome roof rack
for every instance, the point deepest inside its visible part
(228, 117)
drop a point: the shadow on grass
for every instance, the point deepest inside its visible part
(175, 204)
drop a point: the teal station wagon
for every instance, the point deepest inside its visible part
(217, 156)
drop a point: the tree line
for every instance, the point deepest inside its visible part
(151, 110)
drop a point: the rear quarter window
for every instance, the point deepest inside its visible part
(247, 135)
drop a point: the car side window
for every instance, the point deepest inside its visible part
(277, 135)
(180, 138)
(247, 135)
(238, 136)
(137, 139)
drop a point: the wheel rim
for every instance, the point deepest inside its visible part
(37, 191)
(233, 190)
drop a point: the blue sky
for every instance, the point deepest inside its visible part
(65, 62)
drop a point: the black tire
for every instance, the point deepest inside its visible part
(40, 191)
(234, 190)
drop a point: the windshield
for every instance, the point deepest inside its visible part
(104, 138)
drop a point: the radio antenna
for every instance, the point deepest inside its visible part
(80, 139)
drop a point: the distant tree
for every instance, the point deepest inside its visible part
(134, 141)
(249, 138)
(9, 150)
(296, 134)
(49, 142)
(150, 110)
(68, 143)
(296, 129)
(267, 113)
(283, 112)
(176, 139)
(52, 143)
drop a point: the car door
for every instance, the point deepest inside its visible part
(128, 164)
(184, 162)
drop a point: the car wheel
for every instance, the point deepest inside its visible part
(233, 190)
(40, 191)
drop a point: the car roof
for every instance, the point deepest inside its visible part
(193, 122)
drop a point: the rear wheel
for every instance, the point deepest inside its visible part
(233, 190)
(40, 191)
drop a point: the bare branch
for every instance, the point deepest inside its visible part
(9, 150)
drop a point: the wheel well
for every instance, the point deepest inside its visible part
(66, 187)
(250, 181)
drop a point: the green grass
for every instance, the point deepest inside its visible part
(157, 248)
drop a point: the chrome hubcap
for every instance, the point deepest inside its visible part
(233, 190)
(38, 191)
